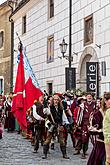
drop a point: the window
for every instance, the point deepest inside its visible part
(51, 8)
(1, 39)
(1, 85)
(50, 88)
(24, 24)
(88, 30)
(103, 66)
(50, 49)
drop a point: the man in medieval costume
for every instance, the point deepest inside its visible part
(87, 109)
(57, 120)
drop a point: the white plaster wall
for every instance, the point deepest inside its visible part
(101, 17)
(35, 40)
(39, 28)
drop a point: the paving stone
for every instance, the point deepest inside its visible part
(15, 150)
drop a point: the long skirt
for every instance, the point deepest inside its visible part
(97, 156)
(11, 122)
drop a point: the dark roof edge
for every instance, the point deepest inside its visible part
(21, 4)
(3, 4)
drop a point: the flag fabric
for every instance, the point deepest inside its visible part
(26, 90)
(18, 103)
(32, 88)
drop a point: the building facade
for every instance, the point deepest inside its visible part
(42, 24)
(5, 48)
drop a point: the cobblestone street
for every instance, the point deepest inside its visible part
(15, 150)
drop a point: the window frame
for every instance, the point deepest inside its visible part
(50, 11)
(2, 78)
(49, 82)
(103, 68)
(50, 52)
(3, 39)
(24, 23)
(87, 19)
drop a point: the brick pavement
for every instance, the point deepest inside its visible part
(15, 150)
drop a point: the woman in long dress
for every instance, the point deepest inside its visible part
(10, 120)
(97, 156)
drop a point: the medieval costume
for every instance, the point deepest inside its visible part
(67, 103)
(2, 99)
(10, 120)
(57, 119)
(86, 110)
(97, 156)
(29, 121)
(39, 125)
(68, 129)
(77, 129)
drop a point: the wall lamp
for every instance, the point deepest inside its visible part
(99, 46)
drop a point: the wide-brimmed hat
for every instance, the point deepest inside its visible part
(60, 95)
(90, 93)
(79, 99)
(68, 94)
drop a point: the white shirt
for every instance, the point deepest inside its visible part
(36, 116)
(64, 119)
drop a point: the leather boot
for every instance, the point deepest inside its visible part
(83, 156)
(52, 146)
(32, 141)
(36, 146)
(77, 152)
(63, 149)
(45, 151)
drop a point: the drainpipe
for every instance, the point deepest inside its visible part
(12, 50)
(70, 31)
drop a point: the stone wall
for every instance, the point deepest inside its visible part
(5, 51)
(5, 72)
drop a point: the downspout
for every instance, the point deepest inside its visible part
(12, 50)
(70, 31)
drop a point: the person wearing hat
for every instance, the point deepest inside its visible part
(77, 130)
(87, 108)
(106, 127)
